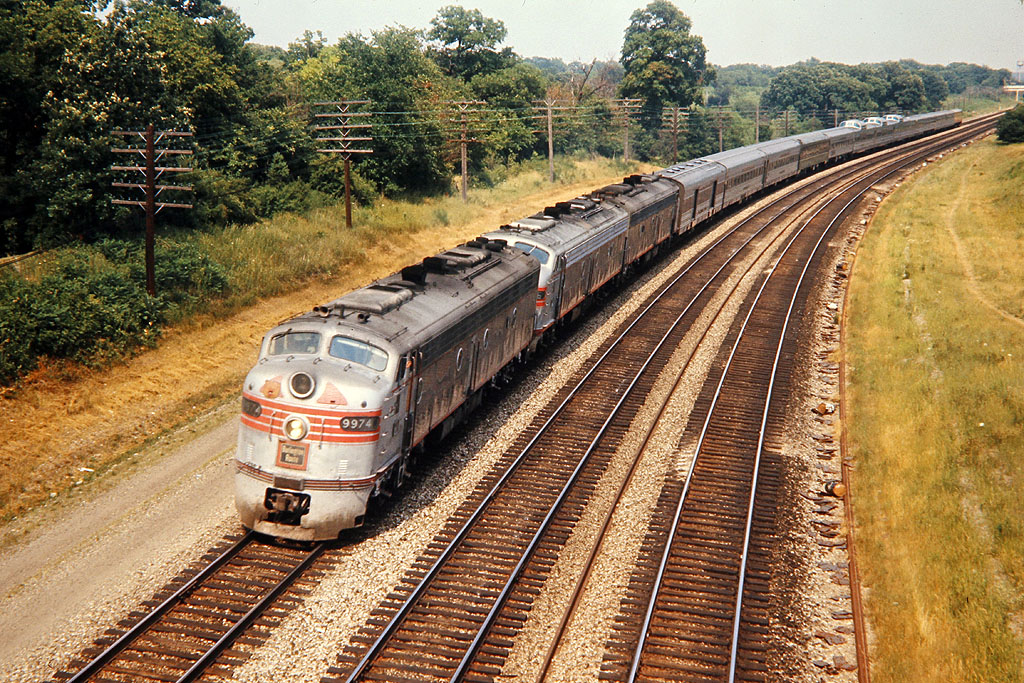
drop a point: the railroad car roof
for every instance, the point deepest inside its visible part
(694, 172)
(411, 306)
(637, 192)
(564, 226)
(773, 148)
(810, 137)
(838, 133)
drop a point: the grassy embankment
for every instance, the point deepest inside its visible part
(936, 421)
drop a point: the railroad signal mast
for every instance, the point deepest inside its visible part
(344, 127)
(151, 173)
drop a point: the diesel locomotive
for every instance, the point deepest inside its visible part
(343, 397)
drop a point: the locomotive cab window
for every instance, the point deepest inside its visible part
(359, 352)
(289, 343)
(534, 251)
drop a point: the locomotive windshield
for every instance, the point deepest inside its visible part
(294, 342)
(356, 351)
(534, 251)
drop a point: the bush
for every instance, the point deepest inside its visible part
(90, 304)
(1011, 126)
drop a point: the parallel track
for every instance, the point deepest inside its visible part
(705, 617)
(455, 615)
(191, 632)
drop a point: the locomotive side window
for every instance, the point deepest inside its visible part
(359, 352)
(534, 251)
(289, 343)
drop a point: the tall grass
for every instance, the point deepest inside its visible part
(278, 254)
(936, 421)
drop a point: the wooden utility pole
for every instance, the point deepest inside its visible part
(674, 118)
(787, 124)
(151, 154)
(342, 116)
(721, 125)
(626, 108)
(462, 108)
(835, 118)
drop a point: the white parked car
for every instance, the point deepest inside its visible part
(856, 124)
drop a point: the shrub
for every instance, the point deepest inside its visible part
(1011, 126)
(90, 304)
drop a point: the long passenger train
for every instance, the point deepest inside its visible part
(344, 396)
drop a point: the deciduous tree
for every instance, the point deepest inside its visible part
(664, 63)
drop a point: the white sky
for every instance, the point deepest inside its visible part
(776, 32)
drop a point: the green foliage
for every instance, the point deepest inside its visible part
(392, 70)
(1011, 125)
(663, 62)
(466, 42)
(816, 88)
(90, 304)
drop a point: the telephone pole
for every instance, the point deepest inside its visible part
(720, 123)
(341, 124)
(548, 111)
(151, 173)
(626, 108)
(462, 108)
(674, 119)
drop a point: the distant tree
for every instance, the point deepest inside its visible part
(935, 88)
(1011, 126)
(306, 47)
(466, 42)
(663, 62)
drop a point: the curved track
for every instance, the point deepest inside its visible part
(455, 616)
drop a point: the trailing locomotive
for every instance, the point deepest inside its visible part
(341, 398)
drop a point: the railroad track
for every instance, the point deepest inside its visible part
(195, 626)
(705, 613)
(455, 616)
(458, 611)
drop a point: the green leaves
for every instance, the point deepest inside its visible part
(1011, 126)
(663, 62)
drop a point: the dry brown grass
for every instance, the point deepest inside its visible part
(936, 419)
(66, 417)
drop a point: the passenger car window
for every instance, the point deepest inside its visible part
(359, 352)
(289, 343)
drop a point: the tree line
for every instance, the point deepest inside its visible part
(74, 71)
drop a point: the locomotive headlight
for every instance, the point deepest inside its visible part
(295, 428)
(301, 384)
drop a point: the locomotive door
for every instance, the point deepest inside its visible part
(409, 398)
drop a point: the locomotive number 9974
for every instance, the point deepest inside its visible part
(360, 424)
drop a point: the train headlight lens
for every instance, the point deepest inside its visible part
(295, 428)
(301, 384)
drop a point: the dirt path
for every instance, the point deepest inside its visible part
(956, 216)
